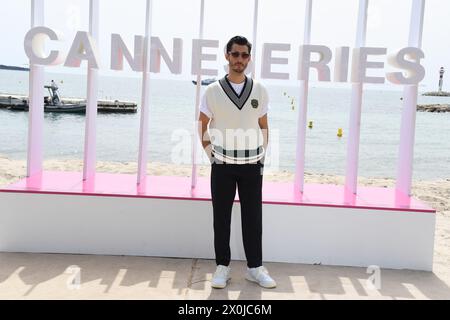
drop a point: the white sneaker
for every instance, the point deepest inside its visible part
(221, 277)
(261, 276)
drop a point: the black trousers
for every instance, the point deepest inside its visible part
(248, 179)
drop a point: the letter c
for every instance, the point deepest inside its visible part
(34, 46)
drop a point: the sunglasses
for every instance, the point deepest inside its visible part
(236, 54)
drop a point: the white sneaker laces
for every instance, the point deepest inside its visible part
(221, 271)
(262, 274)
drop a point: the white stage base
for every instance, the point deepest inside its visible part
(59, 223)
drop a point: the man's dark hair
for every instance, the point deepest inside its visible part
(242, 41)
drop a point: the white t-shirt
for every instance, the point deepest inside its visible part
(237, 87)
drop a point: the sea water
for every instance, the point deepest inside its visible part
(171, 123)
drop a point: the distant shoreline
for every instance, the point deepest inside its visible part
(3, 67)
(437, 94)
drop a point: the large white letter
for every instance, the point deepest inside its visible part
(321, 65)
(83, 48)
(360, 64)
(119, 50)
(158, 50)
(414, 70)
(198, 56)
(34, 46)
(268, 60)
(341, 64)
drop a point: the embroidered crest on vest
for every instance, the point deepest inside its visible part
(255, 103)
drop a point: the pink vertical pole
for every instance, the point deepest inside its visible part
(35, 101)
(197, 105)
(90, 136)
(408, 124)
(299, 178)
(145, 97)
(354, 131)
(255, 35)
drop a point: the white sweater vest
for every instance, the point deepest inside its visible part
(234, 129)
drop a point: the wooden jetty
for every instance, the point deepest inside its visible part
(437, 94)
(434, 107)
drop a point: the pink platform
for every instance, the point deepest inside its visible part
(168, 187)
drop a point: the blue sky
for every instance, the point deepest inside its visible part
(280, 21)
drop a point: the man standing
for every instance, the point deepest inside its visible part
(235, 107)
(55, 97)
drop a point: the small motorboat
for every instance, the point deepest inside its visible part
(70, 107)
(206, 81)
(52, 103)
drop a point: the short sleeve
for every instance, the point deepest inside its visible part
(204, 107)
(265, 102)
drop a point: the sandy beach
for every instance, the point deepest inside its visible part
(435, 192)
(421, 285)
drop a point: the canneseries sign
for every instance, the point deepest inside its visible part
(406, 60)
(356, 65)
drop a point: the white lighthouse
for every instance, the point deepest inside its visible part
(441, 77)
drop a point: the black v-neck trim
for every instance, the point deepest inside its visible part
(238, 100)
(231, 87)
